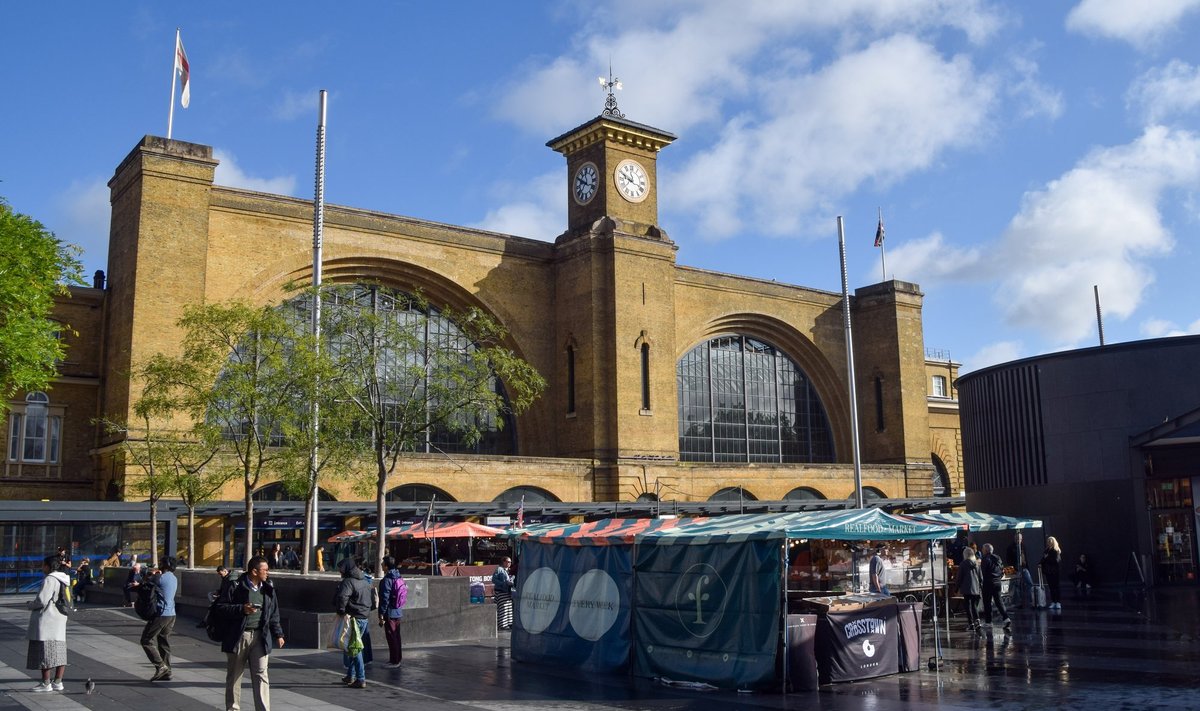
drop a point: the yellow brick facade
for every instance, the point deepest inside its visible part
(609, 291)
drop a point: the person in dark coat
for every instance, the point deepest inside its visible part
(250, 615)
(1019, 560)
(991, 569)
(970, 586)
(354, 597)
(1050, 563)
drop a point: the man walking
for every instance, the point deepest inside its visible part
(993, 575)
(250, 613)
(156, 636)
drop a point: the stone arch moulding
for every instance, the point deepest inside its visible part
(830, 386)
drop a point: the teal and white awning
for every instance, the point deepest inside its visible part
(977, 520)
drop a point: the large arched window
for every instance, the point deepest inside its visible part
(437, 336)
(742, 400)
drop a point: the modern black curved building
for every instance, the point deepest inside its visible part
(1102, 444)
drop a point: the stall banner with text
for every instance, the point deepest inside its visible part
(858, 644)
(572, 606)
(708, 612)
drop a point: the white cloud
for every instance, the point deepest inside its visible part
(877, 114)
(1162, 328)
(297, 104)
(83, 220)
(702, 55)
(992, 354)
(229, 173)
(536, 210)
(1096, 225)
(1138, 22)
(1164, 92)
(1033, 97)
(931, 260)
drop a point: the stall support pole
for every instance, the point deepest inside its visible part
(935, 662)
(784, 612)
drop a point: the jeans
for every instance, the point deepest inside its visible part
(355, 667)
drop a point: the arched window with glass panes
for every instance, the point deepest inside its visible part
(34, 432)
(744, 400)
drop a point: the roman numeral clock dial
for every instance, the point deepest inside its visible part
(583, 187)
(631, 179)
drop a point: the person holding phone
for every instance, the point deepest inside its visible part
(250, 612)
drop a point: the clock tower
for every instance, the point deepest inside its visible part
(614, 305)
(611, 172)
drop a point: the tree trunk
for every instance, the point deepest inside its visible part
(153, 528)
(249, 550)
(380, 521)
(191, 536)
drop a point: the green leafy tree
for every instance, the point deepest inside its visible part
(406, 377)
(35, 266)
(244, 371)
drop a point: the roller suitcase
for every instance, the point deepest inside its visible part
(1039, 596)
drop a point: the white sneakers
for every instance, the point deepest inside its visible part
(46, 686)
(57, 685)
(1056, 606)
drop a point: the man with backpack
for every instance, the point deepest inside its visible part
(156, 637)
(249, 625)
(393, 593)
(993, 577)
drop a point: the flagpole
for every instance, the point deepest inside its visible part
(858, 497)
(882, 250)
(174, 75)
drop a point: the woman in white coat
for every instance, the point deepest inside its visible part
(48, 627)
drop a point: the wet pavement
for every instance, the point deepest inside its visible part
(1099, 654)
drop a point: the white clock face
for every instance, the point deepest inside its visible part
(632, 182)
(583, 187)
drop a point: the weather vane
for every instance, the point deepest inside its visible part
(611, 84)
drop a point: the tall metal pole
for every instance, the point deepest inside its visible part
(1099, 319)
(174, 76)
(858, 497)
(318, 235)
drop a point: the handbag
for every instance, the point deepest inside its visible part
(340, 638)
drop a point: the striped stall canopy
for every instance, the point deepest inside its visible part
(977, 520)
(853, 525)
(351, 536)
(606, 532)
(444, 529)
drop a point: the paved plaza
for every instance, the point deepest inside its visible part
(1098, 654)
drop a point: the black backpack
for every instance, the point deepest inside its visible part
(63, 600)
(149, 603)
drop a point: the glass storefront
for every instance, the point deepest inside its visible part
(1172, 521)
(24, 545)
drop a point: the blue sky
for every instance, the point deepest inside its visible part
(1021, 152)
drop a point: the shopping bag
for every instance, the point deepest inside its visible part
(340, 637)
(1039, 595)
(354, 645)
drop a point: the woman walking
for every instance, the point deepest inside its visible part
(393, 593)
(1051, 558)
(503, 584)
(970, 586)
(48, 626)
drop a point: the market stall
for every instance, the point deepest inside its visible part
(977, 522)
(574, 597)
(698, 608)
